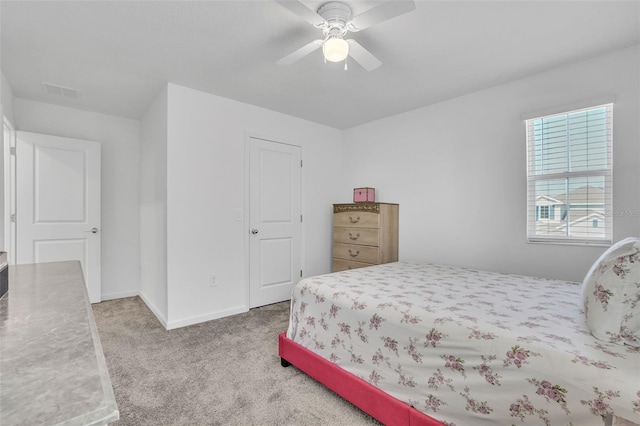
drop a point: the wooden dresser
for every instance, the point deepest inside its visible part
(364, 234)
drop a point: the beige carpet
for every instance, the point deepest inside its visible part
(222, 372)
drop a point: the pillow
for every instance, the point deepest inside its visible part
(611, 294)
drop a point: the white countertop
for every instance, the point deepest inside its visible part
(52, 369)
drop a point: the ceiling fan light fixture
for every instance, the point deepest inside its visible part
(335, 49)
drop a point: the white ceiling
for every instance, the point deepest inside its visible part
(119, 54)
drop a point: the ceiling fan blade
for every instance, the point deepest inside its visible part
(363, 56)
(377, 14)
(303, 11)
(300, 53)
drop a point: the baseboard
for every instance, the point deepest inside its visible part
(154, 309)
(170, 325)
(208, 317)
(118, 295)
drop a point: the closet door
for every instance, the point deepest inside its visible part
(274, 221)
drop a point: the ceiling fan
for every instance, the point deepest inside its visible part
(335, 19)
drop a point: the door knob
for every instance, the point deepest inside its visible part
(254, 231)
(93, 230)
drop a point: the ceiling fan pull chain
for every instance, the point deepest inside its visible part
(345, 64)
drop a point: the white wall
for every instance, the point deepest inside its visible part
(120, 141)
(206, 159)
(6, 98)
(153, 207)
(6, 111)
(457, 169)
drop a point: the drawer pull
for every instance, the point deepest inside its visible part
(354, 254)
(357, 219)
(351, 237)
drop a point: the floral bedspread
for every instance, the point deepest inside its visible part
(468, 347)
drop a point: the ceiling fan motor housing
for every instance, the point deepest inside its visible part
(336, 15)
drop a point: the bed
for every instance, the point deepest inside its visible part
(423, 344)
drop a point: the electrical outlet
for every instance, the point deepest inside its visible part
(213, 280)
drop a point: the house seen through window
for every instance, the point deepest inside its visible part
(569, 169)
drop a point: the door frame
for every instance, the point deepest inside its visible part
(9, 170)
(245, 225)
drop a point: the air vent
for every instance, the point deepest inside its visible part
(65, 92)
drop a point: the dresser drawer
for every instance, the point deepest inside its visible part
(366, 254)
(349, 235)
(357, 219)
(343, 265)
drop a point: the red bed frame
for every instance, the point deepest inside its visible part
(368, 398)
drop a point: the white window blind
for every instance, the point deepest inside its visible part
(569, 176)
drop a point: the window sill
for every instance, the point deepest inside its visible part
(571, 243)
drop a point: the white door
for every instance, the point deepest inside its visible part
(275, 263)
(58, 203)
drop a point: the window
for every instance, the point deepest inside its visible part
(569, 168)
(544, 212)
